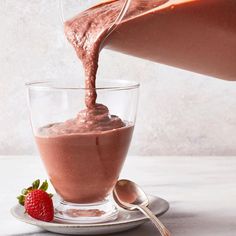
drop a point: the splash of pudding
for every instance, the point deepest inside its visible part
(93, 120)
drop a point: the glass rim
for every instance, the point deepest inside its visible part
(51, 85)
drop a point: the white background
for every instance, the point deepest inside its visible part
(180, 113)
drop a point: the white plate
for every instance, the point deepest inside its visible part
(126, 220)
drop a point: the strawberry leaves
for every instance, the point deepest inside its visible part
(44, 186)
(21, 200)
(35, 185)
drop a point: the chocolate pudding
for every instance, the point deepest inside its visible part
(84, 156)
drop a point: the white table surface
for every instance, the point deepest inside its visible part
(201, 192)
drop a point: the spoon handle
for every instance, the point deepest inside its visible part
(162, 229)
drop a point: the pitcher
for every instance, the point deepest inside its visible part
(196, 35)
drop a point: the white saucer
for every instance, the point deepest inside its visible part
(126, 220)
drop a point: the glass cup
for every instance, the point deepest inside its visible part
(83, 167)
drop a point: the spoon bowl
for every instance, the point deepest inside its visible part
(130, 196)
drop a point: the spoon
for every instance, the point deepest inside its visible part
(130, 196)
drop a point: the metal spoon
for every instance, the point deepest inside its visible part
(130, 196)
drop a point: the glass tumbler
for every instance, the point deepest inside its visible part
(82, 165)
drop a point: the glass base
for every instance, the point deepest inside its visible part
(68, 212)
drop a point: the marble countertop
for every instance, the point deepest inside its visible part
(201, 192)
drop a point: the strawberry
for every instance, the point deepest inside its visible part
(37, 202)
